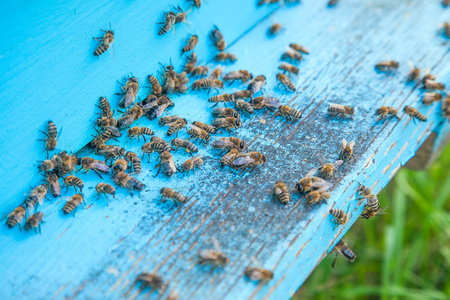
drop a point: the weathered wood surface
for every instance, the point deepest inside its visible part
(100, 251)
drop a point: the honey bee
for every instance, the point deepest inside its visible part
(414, 114)
(208, 128)
(200, 70)
(445, 104)
(106, 40)
(286, 82)
(387, 65)
(309, 183)
(258, 274)
(197, 3)
(332, 3)
(185, 144)
(156, 111)
(433, 85)
(110, 151)
(242, 94)
(166, 164)
(105, 188)
(228, 143)
(53, 182)
(34, 222)
(132, 114)
(364, 191)
(244, 106)
(16, 217)
(282, 193)
(221, 112)
(337, 110)
(135, 161)
(228, 123)
(217, 73)
(207, 84)
(241, 75)
(214, 257)
(36, 196)
(167, 120)
(256, 84)
(101, 138)
(249, 160)
(191, 164)
(221, 98)
(445, 3)
(68, 163)
(73, 203)
(318, 197)
(218, 39)
(414, 75)
(49, 164)
(229, 157)
(176, 197)
(193, 40)
(446, 28)
(327, 169)
(140, 131)
(156, 87)
(169, 21)
(340, 217)
(372, 208)
(74, 181)
(287, 67)
(126, 181)
(345, 250)
(289, 113)
(299, 48)
(51, 137)
(106, 108)
(428, 77)
(225, 57)
(156, 145)
(106, 122)
(181, 16)
(429, 98)
(198, 133)
(120, 165)
(265, 102)
(176, 126)
(130, 90)
(190, 63)
(88, 163)
(384, 111)
(150, 280)
(274, 29)
(292, 55)
(347, 150)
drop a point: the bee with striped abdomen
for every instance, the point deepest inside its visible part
(317, 197)
(200, 71)
(345, 250)
(120, 165)
(225, 57)
(150, 280)
(110, 151)
(242, 75)
(88, 163)
(51, 137)
(384, 111)
(176, 126)
(429, 98)
(274, 29)
(287, 67)
(292, 55)
(126, 181)
(414, 114)
(256, 84)
(244, 106)
(74, 181)
(262, 102)
(258, 274)
(372, 208)
(53, 182)
(227, 143)
(34, 222)
(214, 257)
(248, 160)
(218, 39)
(191, 164)
(105, 107)
(327, 169)
(185, 144)
(156, 87)
(16, 217)
(286, 82)
(310, 183)
(208, 128)
(433, 85)
(245, 94)
(217, 73)
(414, 75)
(139, 131)
(228, 158)
(191, 61)
(299, 48)
(36, 196)
(73, 203)
(337, 110)
(385, 66)
(340, 217)
(167, 120)
(176, 197)
(105, 188)
(221, 112)
(106, 122)
(207, 84)
(169, 21)
(156, 145)
(107, 40)
(289, 113)
(130, 90)
(229, 123)
(192, 42)
(347, 150)
(198, 133)
(135, 161)
(221, 98)
(281, 192)
(166, 164)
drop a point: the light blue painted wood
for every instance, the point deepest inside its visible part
(99, 253)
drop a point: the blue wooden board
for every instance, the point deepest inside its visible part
(48, 65)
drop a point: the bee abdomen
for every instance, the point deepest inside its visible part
(284, 198)
(337, 213)
(136, 165)
(11, 222)
(69, 207)
(52, 131)
(420, 116)
(101, 49)
(137, 185)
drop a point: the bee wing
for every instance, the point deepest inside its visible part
(322, 185)
(312, 172)
(222, 143)
(256, 274)
(338, 163)
(243, 160)
(159, 111)
(41, 198)
(216, 243)
(196, 128)
(272, 102)
(100, 166)
(207, 254)
(130, 96)
(352, 143)
(338, 106)
(344, 143)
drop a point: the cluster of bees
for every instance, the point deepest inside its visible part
(315, 185)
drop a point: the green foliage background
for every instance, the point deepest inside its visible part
(404, 254)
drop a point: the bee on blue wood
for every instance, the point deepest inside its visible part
(287, 67)
(386, 111)
(214, 257)
(218, 39)
(197, 3)
(53, 182)
(135, 161)
(169, 21)
(191, 164)
(192, 42)
(105, 188)
(286, 82)
(340, 217)
(166, 164)
(130, 90)
(282, 193)
(225, 57)
(347, 150)
(51, 137)
(274, 29)
(414, 113)
(388, 65)
(429, 98)
(256, 84)
(34, 222)
(289, 113)
(242, 75)
(137, 131)
(342, 248)
(151, 280)
(106, 40)
(299, 48)
(74, 181)
(16, 217)
(258, 274)
(199, 134)
(337, 110)
(126, 181)
(176, 197)
(73, 203)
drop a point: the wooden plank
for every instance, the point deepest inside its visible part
(99, 253)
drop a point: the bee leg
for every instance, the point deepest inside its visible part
(97, 173)
(20, 227)
(334, 261)
(100, 39)
(35, 230)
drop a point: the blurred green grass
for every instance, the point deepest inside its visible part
(404, 254)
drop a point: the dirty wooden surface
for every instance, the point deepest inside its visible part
(100, 252)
